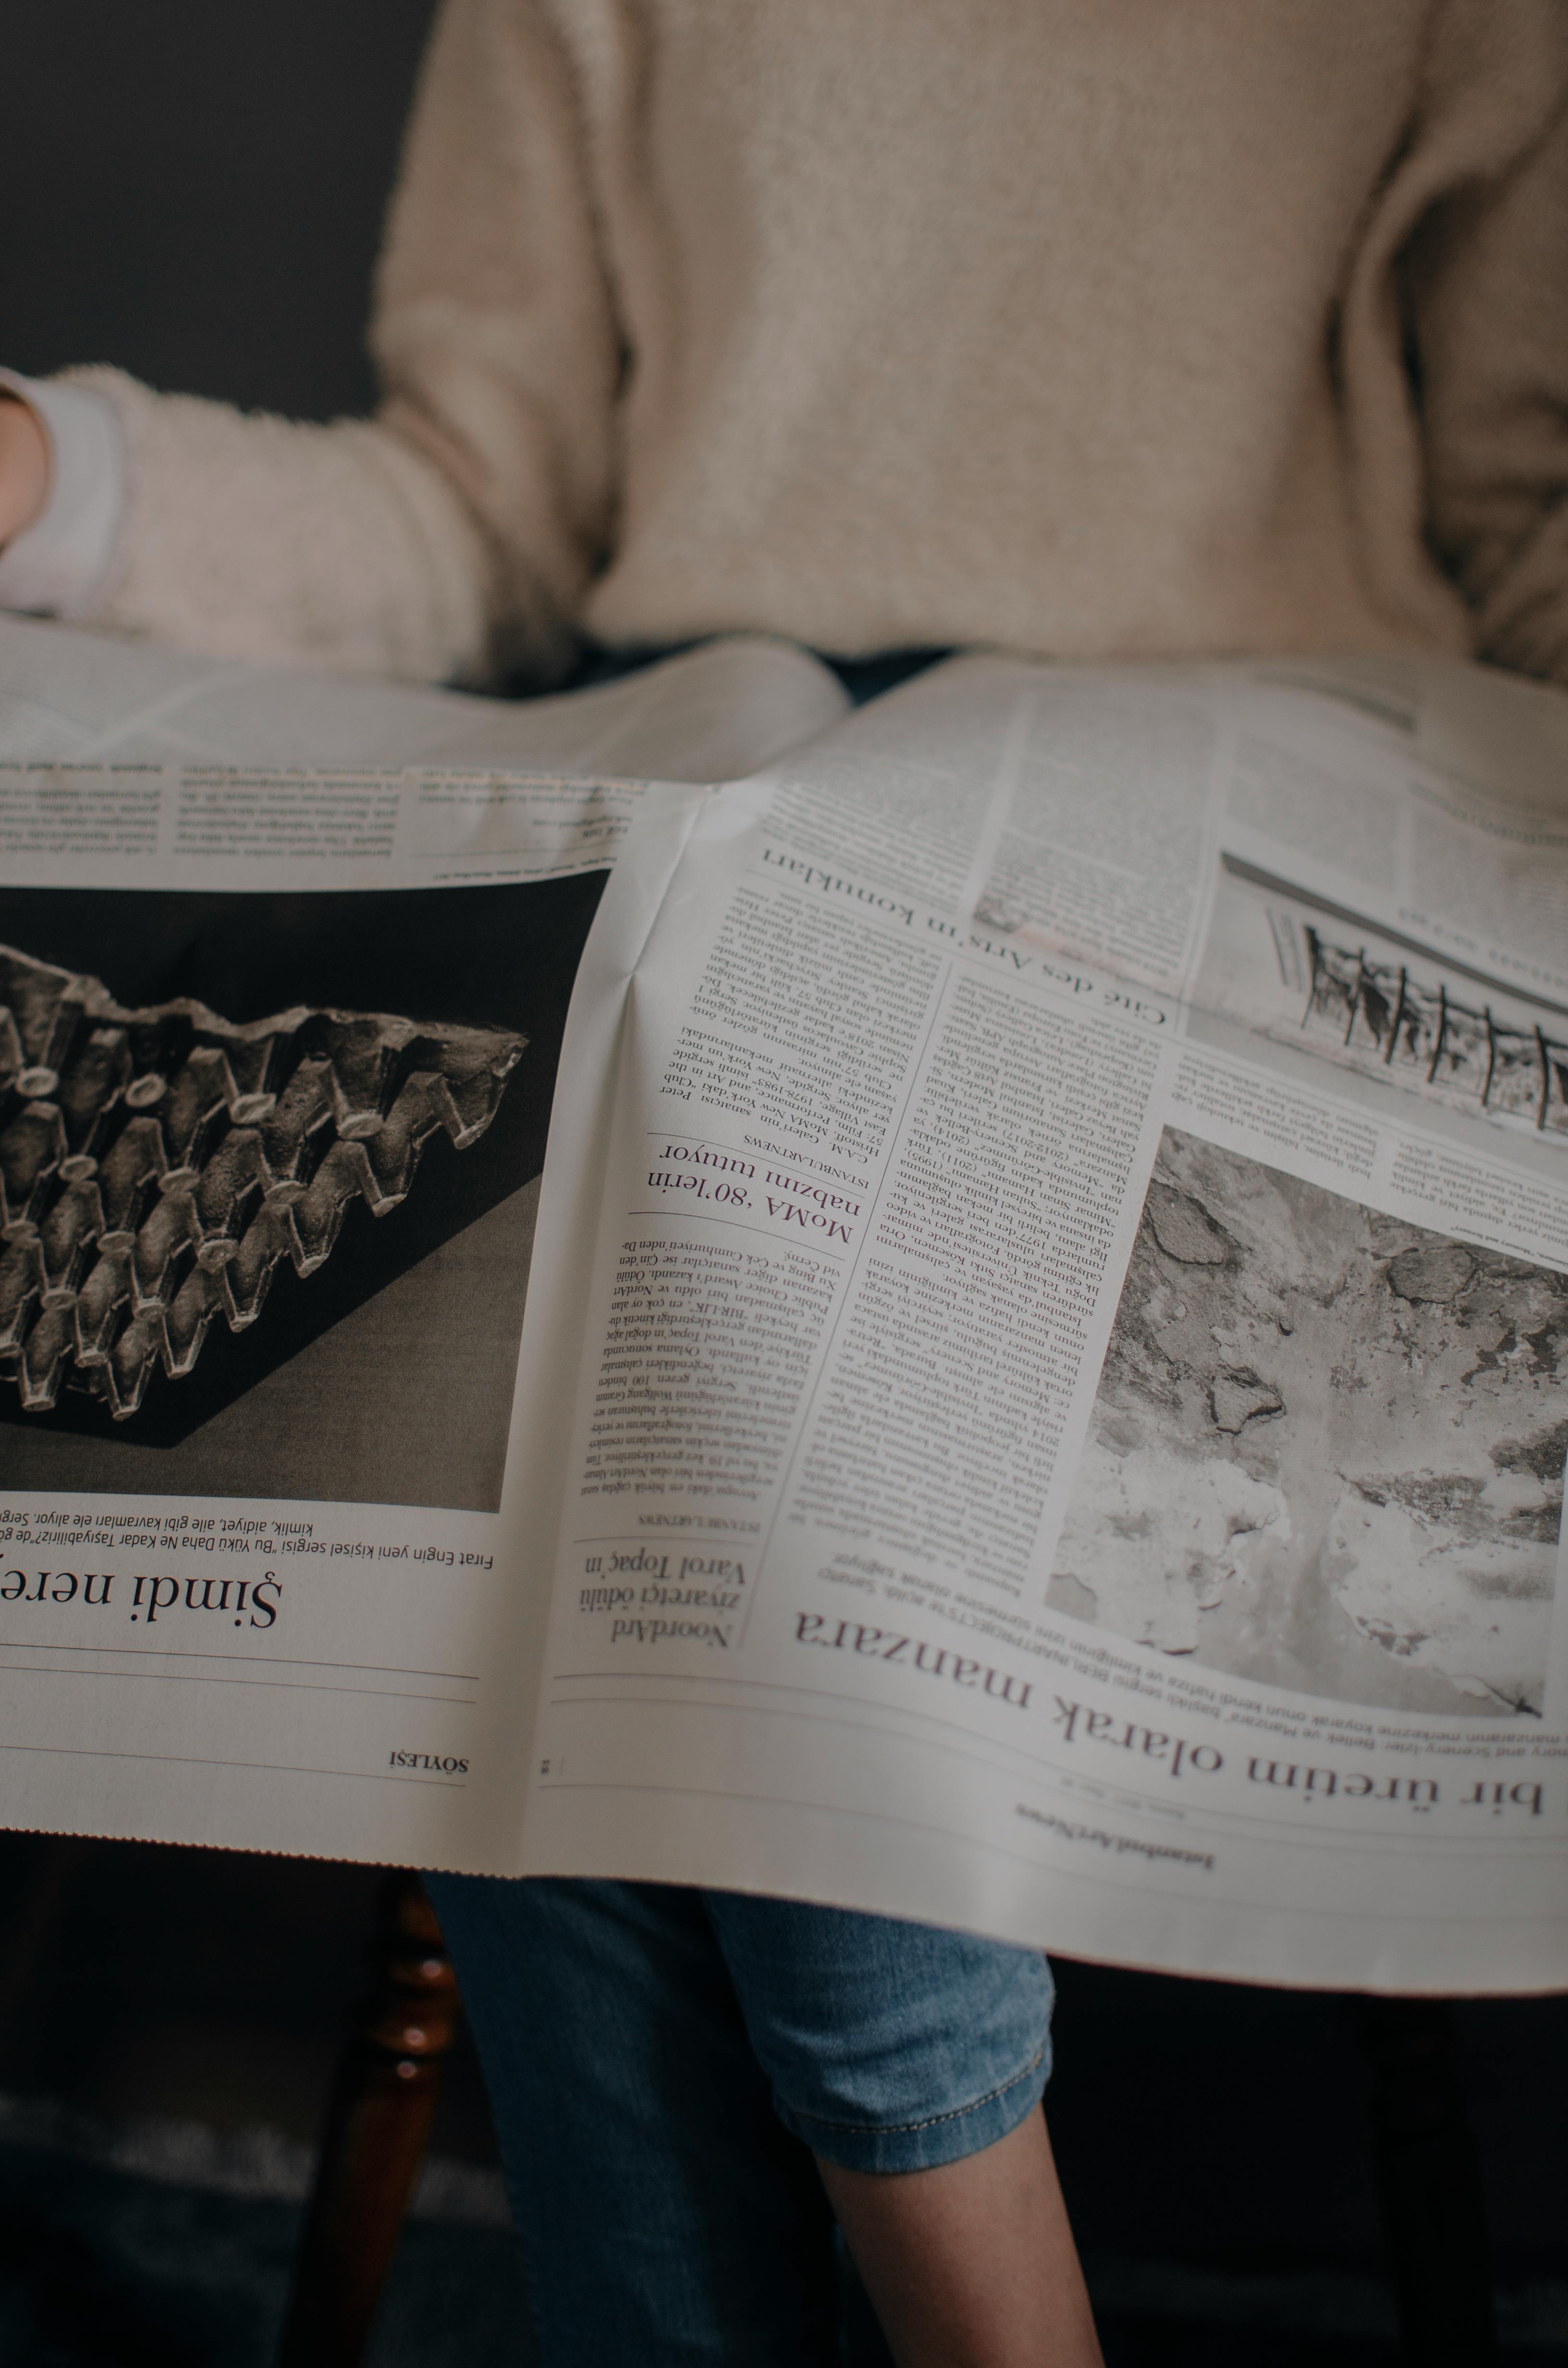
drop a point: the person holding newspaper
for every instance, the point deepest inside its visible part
(1100, 333)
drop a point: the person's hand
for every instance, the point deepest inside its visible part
(24, 466)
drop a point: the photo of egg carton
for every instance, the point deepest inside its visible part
(158, 1165)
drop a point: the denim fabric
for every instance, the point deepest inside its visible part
(660, 2062)
(887, 2047)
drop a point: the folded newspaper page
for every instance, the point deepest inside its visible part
(278, 1034)
(1039, 1402)
(73, 698)
(1048, 1324)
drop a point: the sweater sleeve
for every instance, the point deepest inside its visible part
(1487, 305)
(451, 536)
(56, 565)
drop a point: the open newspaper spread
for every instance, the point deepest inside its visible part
(1042, 1405)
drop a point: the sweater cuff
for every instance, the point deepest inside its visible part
(55, 566)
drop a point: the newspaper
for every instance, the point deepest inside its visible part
(251, 1445)
(1040, 1407)
(79, 699)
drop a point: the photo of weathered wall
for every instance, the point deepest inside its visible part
(269, 1167)
(1327, 1449)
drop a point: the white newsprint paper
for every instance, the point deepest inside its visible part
(73, 698)
(1043, 1397)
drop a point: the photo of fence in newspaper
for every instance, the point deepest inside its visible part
(1304, 970)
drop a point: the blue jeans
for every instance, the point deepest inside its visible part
(664, 2063)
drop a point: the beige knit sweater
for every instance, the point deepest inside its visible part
(1095, 327)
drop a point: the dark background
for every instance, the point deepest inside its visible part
(192, 189)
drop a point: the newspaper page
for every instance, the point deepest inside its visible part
(277, 1042)
(1049, 1331)
(73, 698)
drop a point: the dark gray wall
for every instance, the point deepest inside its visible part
(194, 188)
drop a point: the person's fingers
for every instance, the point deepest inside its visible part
(24, 466)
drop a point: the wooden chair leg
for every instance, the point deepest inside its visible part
(35, 1931)
(377, 2123)
(1429, 2181)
